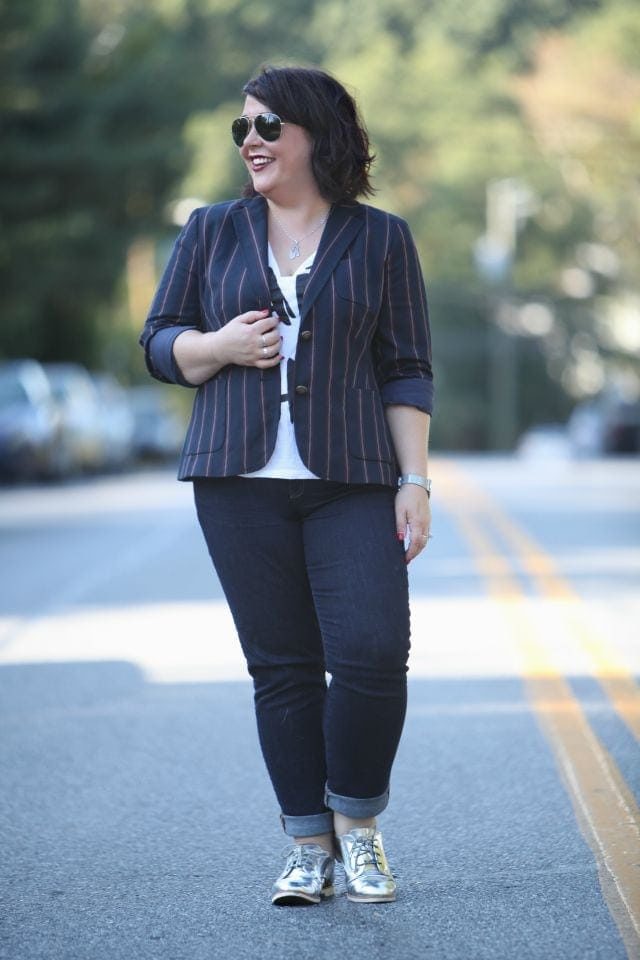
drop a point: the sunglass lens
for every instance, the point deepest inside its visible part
(268, 126)
(239, 130)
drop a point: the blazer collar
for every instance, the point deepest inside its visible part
(250, 220)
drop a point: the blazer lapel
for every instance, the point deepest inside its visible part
(344, 222)
(250, 222)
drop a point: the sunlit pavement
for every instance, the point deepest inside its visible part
(137, 819)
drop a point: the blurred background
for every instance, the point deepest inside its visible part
(507, 133)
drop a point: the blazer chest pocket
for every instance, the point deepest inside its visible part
(351, 281)
(367, 432)
(208, 426)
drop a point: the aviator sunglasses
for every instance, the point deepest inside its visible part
(268, 126)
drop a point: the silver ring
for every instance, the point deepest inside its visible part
(264, 341)
(264, 350)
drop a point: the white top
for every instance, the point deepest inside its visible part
(285, 461)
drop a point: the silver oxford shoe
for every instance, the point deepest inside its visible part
(369, 879)
(306, 878)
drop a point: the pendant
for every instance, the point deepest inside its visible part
(295, 250)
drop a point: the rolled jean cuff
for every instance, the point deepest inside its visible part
(356, 807)
(309, 826)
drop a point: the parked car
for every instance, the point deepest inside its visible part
(79, 405)
(546, 441)
(159, 428)
(608, 424)
(116, 422)
(622, 433)
(30, 423)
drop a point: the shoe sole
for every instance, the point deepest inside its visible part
(300, 899)
(386, 898)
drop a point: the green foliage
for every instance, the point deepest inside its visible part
(111, 111)
(89, 155)
(509, 27)
(474, 94)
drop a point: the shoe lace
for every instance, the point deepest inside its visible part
(366, 852)
(299, 857)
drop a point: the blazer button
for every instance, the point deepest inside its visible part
(305, 335)
(302, 391)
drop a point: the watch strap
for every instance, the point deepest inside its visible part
(416, 479)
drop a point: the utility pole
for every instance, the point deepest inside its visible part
(509, 202)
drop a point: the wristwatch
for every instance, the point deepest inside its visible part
(419, 481)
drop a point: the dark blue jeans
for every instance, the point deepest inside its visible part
(317, 583)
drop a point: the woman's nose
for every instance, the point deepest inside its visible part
(252, 137)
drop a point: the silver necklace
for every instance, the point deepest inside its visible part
(294, 249)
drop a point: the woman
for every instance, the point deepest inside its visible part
(300, 314)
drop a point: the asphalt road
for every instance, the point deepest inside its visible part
(136, 820)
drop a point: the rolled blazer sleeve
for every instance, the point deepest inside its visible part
(176, 306)
(402, 343)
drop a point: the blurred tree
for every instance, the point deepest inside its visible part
(508, 26)
(444, 124)
(90, 151)
(581, 99)
(111, 112)
(454, 101)
(93, 102)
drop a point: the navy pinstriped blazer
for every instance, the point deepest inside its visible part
(364, 342)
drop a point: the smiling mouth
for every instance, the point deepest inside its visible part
(260, 162)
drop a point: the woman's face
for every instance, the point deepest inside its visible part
(281, 169)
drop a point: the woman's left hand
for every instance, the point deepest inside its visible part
(413, 516)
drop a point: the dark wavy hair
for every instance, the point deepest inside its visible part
(315, 100)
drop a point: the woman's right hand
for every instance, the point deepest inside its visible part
(249, 340)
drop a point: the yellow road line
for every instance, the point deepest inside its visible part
(606, 809)
(607, 665)
(609, 669)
